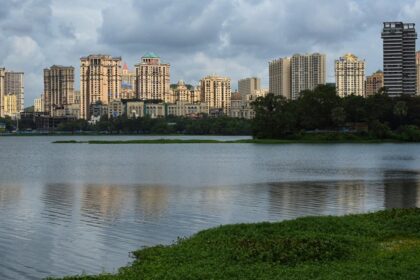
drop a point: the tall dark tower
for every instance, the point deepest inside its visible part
(399, 58)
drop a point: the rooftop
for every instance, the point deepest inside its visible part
(151, 55)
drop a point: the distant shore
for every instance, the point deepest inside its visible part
(242, 141)
(382, 245)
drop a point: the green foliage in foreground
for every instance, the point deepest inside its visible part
(383, 245)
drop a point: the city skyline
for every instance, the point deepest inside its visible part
(211, 37)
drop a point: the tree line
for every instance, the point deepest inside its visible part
(322, 111)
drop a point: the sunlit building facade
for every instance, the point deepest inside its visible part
(350, 76)
(100, 81)
(374, 83)
(12, 92)
(307, 72)
(279, 77)
(249, 86)
(216, 92)
(58, 88)
(153, 78)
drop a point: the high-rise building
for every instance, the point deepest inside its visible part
(100, 81)
(39, 104)
(13, 93)
(249, 86)
(350, 76)
(2, 75)
(399, 49)
(291, 75)
(216, 92)
(307, 72)
(418, 71)
(374, 83)
(128, 84)
(58, 87)
(184, 94)
(279, 77)
(153, 78)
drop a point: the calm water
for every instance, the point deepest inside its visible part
(74, 208)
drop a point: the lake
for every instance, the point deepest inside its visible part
(76, 208)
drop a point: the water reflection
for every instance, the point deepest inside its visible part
(401, 193)
(87, 215)
(69, 228)
(102, 202)
(9, 195)
(151, 201)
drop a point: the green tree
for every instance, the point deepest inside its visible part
(338, 116)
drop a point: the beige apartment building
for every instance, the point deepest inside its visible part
(374, 83)
(307, 72)
(216, 92)
(290, 75)
(181, 93)
(350, 76)
(39, 104)
(153, 78)
(249, 86)
(58, 88)
(11, 93)
(186, 109)
(2, 75)
(279, 77)
(11, 106)
(100, 80)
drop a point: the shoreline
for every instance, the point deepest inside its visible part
(380, 245)
(242, 141)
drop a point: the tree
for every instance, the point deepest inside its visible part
(338, 116)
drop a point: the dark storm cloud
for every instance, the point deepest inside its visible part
(229, 37)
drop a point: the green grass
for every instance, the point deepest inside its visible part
(382, 245)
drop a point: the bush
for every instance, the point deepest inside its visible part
(409, 133)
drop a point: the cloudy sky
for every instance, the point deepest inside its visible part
(236, 38)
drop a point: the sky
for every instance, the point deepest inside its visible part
(234, 38)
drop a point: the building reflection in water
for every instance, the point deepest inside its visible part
(151, 201)
(291, 200)
(401, 189)
(103, 202)
(58, 201)
(10, 194)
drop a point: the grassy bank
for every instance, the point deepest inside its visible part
(383, 245)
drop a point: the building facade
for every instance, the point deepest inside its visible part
(39, 104)
(399, 54)
(183, 93)
(279, 77)
(216, 92)
(58, 88)
(2, 75)
(350, 76)
(374, 83)
(307, 72)
(12, 93)
(100, 81)
(249, 85)
(128, 83)
(153, 78)
(418, 71)
(289, 76)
